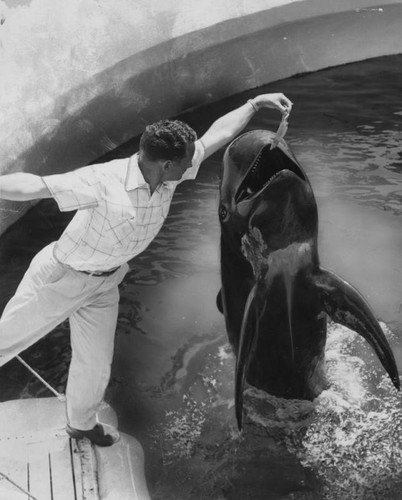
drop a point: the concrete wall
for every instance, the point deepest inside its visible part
(79, 79)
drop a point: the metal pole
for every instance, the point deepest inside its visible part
(59, 396)
(18, 486)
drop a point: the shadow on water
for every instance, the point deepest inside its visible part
(172, 380)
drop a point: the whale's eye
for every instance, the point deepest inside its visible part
(223, 212)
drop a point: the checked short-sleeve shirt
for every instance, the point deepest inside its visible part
(117, 218)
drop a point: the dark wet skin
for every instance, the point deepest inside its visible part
(275, 297)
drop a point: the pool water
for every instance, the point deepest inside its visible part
(172, 381)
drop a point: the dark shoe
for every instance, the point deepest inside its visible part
(96, 435)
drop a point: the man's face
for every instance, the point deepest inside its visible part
(178, 167)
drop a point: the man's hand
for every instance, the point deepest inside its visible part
(228, 126)
(275, 101)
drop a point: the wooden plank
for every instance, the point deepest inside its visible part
(61, 474)
(13, 467)
(9, 489)
(22, 424)
(39, 476)
(39, 463)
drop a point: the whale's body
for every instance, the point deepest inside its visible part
(275, 296)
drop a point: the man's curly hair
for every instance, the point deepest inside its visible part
(167, 140)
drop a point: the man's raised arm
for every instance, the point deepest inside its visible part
(22, 186)
(226, 128)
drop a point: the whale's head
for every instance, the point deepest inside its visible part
(267, 189)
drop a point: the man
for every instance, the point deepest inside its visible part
(121, 206)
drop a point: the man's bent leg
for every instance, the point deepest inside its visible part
(45, 297)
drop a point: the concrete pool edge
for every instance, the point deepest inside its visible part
(195, 69)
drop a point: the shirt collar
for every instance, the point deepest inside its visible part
(134, 177)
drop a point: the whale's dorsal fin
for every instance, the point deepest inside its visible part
(345, 305)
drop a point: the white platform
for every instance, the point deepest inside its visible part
(39, 461)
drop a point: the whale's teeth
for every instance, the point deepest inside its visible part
(256, 164)
(273, 177)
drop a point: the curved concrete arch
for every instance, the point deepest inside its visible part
(192, 60)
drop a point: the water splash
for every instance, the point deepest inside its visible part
(350, 435)
(355, 439)
(181, 436)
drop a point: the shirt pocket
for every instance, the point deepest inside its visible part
(120, 231)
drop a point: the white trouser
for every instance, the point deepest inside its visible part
(49, 293)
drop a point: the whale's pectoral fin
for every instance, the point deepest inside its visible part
(247, 341)
(345, 305)
(219, 303)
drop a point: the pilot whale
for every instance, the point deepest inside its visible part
(275, 296)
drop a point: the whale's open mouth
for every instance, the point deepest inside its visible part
(267, 165)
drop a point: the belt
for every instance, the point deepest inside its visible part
(89, 273)
(100, 273)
